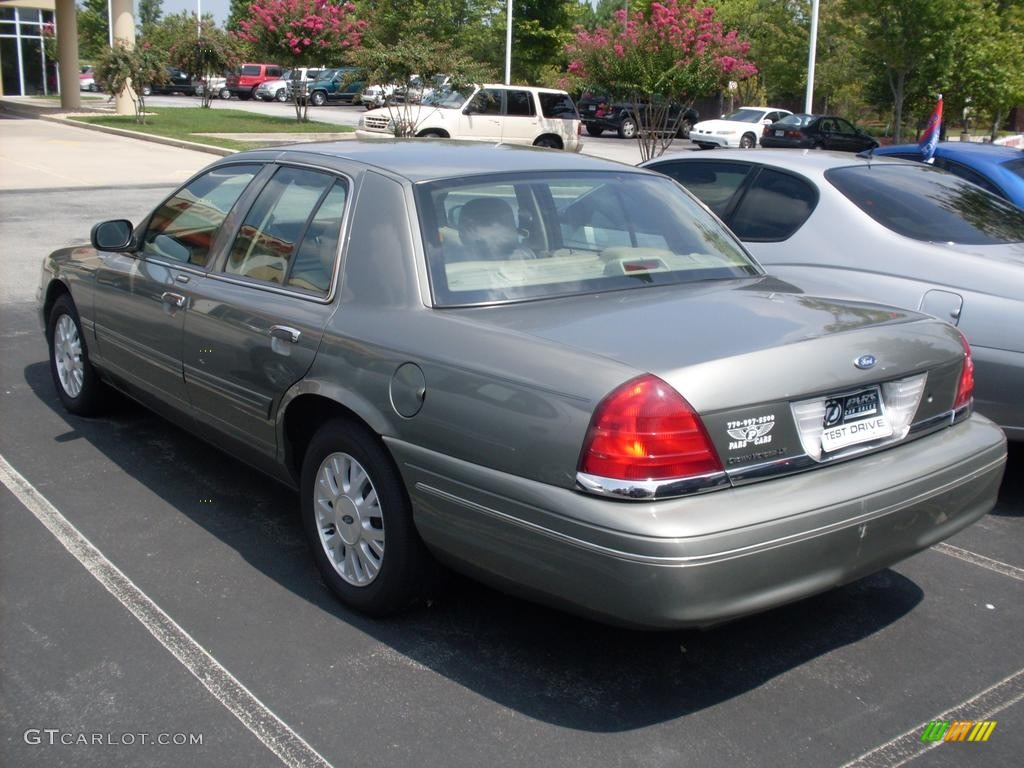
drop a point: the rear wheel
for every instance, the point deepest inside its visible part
(628, 129)
(551, 142)
(748, 141)
(685, 126)
(78, 385)
(358, 520)
(318, 98)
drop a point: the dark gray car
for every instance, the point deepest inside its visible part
(558, 374)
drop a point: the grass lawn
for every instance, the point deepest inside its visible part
(184, 122)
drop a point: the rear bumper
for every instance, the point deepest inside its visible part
(704, 559)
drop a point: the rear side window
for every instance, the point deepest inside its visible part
(558, 105)
(520, 104)
(713, 182)
(928, 204)
(774, 207)
(250, 70)
(290, 235)
(970, 174)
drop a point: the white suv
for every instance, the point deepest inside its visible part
(741, 128)
(513, 114)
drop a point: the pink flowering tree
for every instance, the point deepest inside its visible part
(302, 32)
(671, 55)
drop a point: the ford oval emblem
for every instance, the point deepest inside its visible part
(864, 362)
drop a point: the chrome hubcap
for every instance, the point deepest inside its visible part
(349, 519)
(67, 354)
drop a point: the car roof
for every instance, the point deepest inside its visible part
(420, 160)
(808, 161)
(976, 153)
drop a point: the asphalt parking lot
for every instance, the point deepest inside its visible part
(198, 612)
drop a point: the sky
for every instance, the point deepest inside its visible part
(219, 8)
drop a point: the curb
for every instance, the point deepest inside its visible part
(179, 143)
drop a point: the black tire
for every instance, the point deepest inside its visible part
(551, 142)
(281, 95)
(628, 129)
(595, 130)
(69, 356)
(93, 88)
(705, 145)
(432, 133)
(318, 98)
(685, 126)
(225, 94)
(748, 141)
(403, 564)
(147, 90)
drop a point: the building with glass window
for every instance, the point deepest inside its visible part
(25, 69)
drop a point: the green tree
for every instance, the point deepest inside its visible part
(203, 50)
(93, 29)
(388, 64)
(541, 29)
(674, 53)
(149, 14)
(907, 47)
(123, 70)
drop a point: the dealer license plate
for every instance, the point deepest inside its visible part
(852, 419)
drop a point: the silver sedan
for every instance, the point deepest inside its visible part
(555, 373)
(887, 230)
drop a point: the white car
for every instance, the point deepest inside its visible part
(510, 114)
(740, 128)
(282, 89)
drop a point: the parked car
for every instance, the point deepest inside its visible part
(803, 131)
(178, 81)
(557, 373)
(887, 230)
(374, 96)
(600, 114)
(998, 169)
(739, 128)
(87, 79)
(514, 114)
(283, 89)
(340, 84)
(244, 80)
(217, 86)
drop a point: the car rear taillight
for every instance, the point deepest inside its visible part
(645, 430)
(965, 387)
(793, 135)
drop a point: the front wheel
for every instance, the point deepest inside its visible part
(281, 95)
(748, 141)
(318, 98)
(685, 126)
(78, 385)
(595, 130)
(628, 129)
(358, 520)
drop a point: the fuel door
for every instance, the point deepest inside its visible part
(943, 304)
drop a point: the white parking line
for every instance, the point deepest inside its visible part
(908, 746)
(278, 737)
(980, 560)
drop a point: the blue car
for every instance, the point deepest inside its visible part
(998, 169)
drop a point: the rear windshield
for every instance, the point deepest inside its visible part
(1015, 167)
(746, 115)
(250, 69)
(925, 203)
(516, 237)
(558, 105)
(798, 121)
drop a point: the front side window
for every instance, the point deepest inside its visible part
(183, 228)
(290, 235)
(715, 183)
(530, 236)
(486, 102)
(928, 204)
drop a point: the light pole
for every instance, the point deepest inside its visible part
(809, 96)
(508, 43)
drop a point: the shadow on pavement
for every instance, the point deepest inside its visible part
(542, 663)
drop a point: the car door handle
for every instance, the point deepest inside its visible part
(285, 333)
(173, 299)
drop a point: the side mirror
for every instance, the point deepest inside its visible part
(115, 235)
